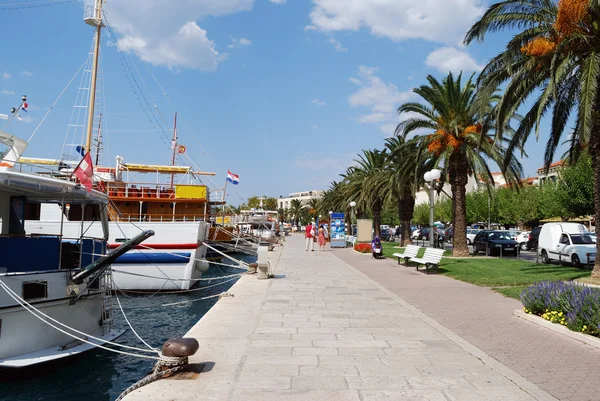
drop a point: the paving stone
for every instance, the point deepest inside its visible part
(319, 330)
(319, 383)
(362, 351)
(378, 383)
(402, 395)
(438, 383)
(275, 330)
(270, 351)
(387, 370)
(351, 344)
(355, 336)
(281, 343)
(281, 360)
(266, 383)
(295, 395)
(349, 360)
(489, 395)
(341, 371)
(315, 351)
(314, 336)
(266, 371)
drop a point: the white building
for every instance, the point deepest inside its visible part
(472, 185)
(304, 197)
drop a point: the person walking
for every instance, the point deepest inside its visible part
(309, 234)
(321, 238)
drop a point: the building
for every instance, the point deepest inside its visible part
(552, 174)
(304, 197)
(473, 184)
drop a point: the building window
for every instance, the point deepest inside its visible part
(35, 290)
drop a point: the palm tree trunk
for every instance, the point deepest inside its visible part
(458, 179)
(406, 208)
(377, 217)
(594, 149)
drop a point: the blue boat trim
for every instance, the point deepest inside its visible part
(154, 257)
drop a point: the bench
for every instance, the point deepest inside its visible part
(431, 258)
(409, 252)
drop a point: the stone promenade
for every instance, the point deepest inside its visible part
(322, 330)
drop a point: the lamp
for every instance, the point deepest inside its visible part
(352, 205)
(431, 176)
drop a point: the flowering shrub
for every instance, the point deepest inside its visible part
(363, 248)
(571, 305)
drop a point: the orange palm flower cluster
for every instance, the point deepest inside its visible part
(538, 47)
(442, 139)
(571, 13)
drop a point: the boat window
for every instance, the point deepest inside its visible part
(35, 290)
(92, 213)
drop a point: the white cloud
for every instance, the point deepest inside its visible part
(278, 1)
(336, 45)
(239, 43)
(6, 75)
(318, 102)
(434, 20)
(382, 99)
(27, 73)
(452, 59)
(7, 92)
(170, 36)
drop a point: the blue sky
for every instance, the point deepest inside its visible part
(283, 93)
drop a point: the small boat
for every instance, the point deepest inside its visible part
(50, 278)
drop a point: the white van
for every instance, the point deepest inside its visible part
(569, 242)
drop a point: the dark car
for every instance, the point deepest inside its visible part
(386, 234)
(534, 236)
(492, 242)
(449, 235)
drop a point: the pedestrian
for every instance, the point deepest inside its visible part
(309, 234)
(321, 238)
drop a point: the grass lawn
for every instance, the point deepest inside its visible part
(506, 276)
(507, 272)
(511, 292)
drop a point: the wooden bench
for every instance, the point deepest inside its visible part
(431, 258)
(410, 251)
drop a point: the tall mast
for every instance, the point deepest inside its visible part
(174, 146)
(93, 17)
(98, 140)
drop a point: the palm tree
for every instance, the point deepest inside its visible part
(335, 199)
(295, 210)
(314, 207)
(361, 184)
(556, 56)
(460, 142)
(402, 178)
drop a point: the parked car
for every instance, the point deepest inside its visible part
(532, 242)
(495, 242)
(386, 234)
(568, 242)
(522, 239)
(471, 233)
(415, 234)
(449, 234)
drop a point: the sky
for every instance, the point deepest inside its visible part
(284, 93)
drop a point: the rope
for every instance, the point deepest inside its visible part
(33, 4)
(173, 365)
(178, 279)
(223, 294)
(131, 327)
(31, 309)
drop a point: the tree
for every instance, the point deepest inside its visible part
(270, 204)
(296, 208)
(556, 56)
(401, 179)
(575, 190)
(314, 207)
(421, 214)
(282, 214)
(361, 184)
(253, 202)
(460, 144)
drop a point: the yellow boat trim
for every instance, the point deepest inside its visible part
(45, 162)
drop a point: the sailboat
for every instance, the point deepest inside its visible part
(171, 204)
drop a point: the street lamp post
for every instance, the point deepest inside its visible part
(431, 177)
(352, 205)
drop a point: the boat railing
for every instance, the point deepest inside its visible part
(136, 190)
(164, 217)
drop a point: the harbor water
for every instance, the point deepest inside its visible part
(101, 375)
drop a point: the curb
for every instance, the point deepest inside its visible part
(525, 385)
(584, 338)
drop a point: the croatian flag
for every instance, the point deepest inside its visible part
(24, 107)
(233, 178)
(85, 172)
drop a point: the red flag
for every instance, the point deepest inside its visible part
(181, 149)
(85, 172)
